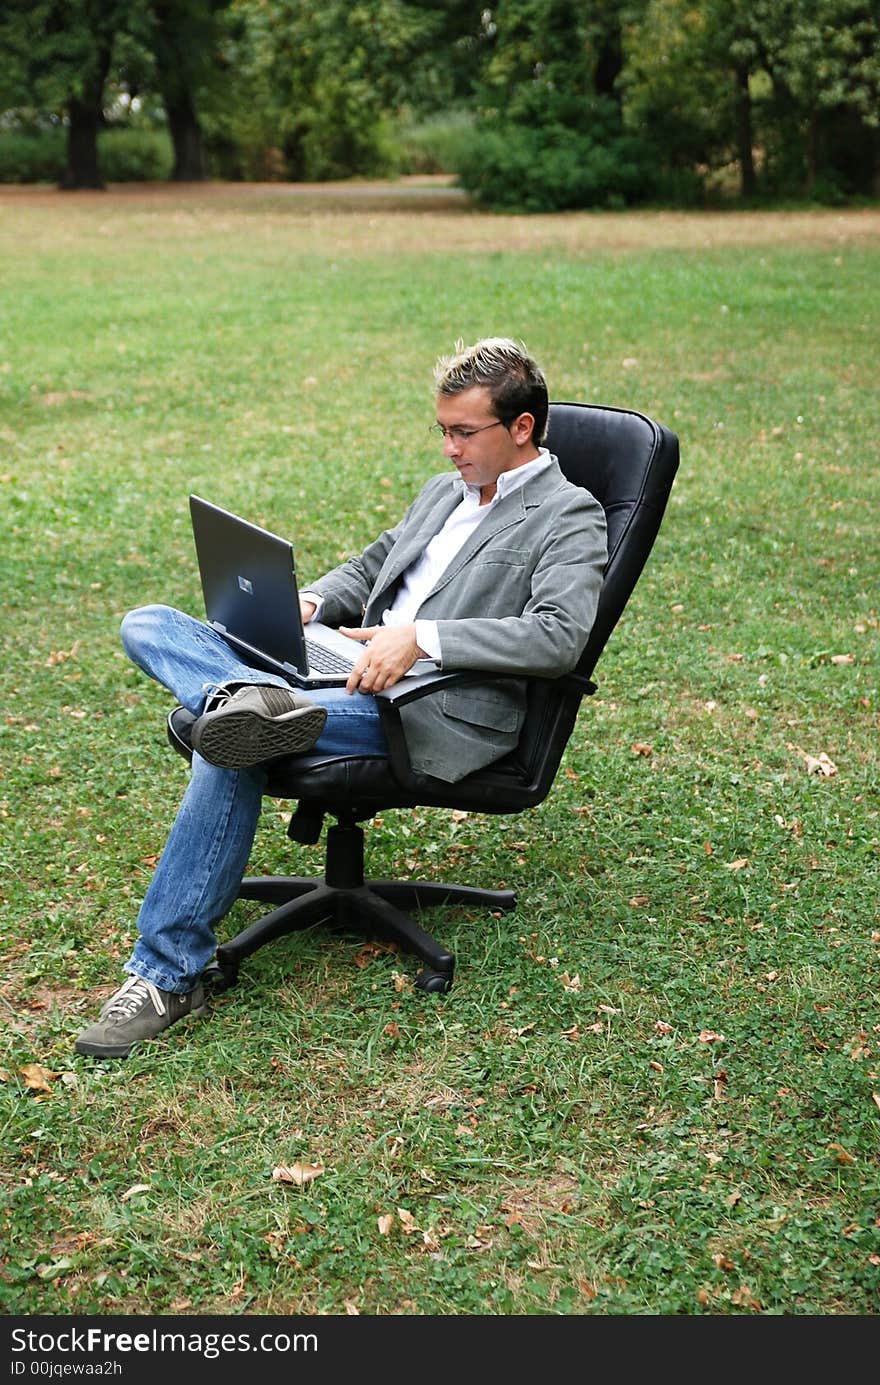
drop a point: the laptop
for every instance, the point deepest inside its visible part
(251, 599)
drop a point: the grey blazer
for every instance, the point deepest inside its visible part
(519, 598)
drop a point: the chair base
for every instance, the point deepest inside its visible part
(349, 903)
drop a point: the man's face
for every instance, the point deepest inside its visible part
(492, 448)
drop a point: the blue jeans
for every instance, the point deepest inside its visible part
(200, 870)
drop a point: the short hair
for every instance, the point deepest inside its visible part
(504, 367)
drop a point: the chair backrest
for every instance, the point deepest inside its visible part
(628, 462)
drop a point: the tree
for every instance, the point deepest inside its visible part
(56, 56)
(185, 37)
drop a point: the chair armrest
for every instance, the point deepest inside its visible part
(390, 700)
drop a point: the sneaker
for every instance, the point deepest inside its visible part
(138, 1010)
(257, 722)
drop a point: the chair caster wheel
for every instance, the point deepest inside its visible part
(220, 977)
(433, 981)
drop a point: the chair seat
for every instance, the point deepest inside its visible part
(365, 784)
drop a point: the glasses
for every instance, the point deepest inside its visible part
(463, 434)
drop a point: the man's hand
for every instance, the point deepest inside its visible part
(391, 651)
(307, 610)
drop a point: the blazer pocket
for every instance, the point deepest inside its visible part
(509, 557)
(477, 709)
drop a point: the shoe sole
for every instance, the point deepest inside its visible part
(95, 1050)
(239, 739)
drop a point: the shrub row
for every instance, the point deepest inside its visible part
(126, 156)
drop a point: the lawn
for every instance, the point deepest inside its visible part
(654, 1087)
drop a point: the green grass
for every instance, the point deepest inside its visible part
(654, 1087)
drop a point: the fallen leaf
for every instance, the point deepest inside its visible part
(38, 1078)
(815, 764)
(876, 1098)
(407, 1220)
(351, 1308)
(385, 1223)
(641, 748)
(134, 1190)
(721, 1261)
(708, 1036)
(297, 1173)
(658, 1067)
(842, 1155)
(401, 981)
(744, 1298)
(739, 864)
(392, 1029)
(570, 983)
(820, 764)
(843, 658)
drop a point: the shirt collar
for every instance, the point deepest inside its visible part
(510, 481)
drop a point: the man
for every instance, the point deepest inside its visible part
(497, 569)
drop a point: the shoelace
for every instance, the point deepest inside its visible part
(216, 694)
(132, 995)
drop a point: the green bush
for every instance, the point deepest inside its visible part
(32, 156)
(125, 156)
(435, 145)
(135, 156)
(553, 168)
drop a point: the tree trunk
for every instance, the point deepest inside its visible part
(171, 49)
(189, 157)
(83, 167)
(748, 181)
(85, 114)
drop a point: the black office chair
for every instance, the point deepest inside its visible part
(628, 462)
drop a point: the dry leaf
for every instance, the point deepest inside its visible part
(842, 1155)
(297, 1173)
(708, 1036)
(134, 1190)
(739, 864)
(815, 764)
(876, 1098)
(658, 1067)
(820, 764)
(385, 1223)
(641, 748)
(401, 981)
(407, 1220)
(392, 1029)
(843, 658)
(570, 983)
(351, 1308)
(38, 1078)
(743, 1298)
(722, 1263)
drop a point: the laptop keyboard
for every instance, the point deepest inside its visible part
(324, 660)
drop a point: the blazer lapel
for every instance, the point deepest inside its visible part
(507, 515)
